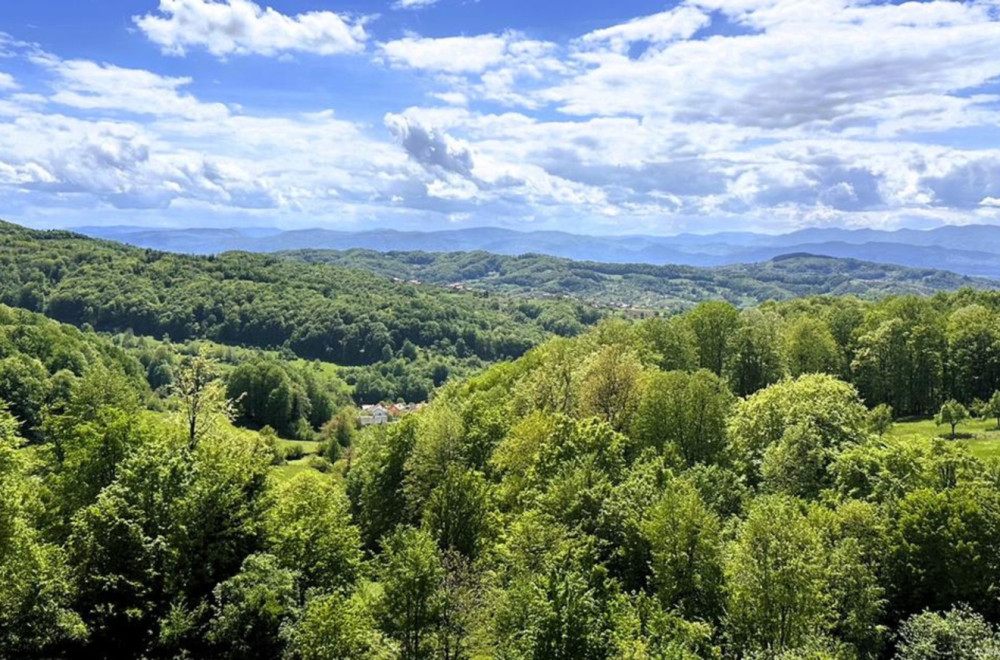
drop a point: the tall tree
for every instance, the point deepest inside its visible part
(713, 323)
(684, 537)
(672, 342)
(250, 609)
(684, 414)
(973, 353)
(412, 577)
(775, 577)
(810, 348)
(753, 359)
(611, 386)
(201, 395)
(35, 614)
(815, 414)
(310, 531)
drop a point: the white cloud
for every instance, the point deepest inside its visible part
(413, 4)
(825, 65)
(91, 86)
(679, 23)
(492, 67)
(448, 54)
(757, 114)
(242, 27)
(7, 81)
(452, 98)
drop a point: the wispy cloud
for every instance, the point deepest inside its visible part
(413, 4)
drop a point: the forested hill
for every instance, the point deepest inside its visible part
(318, 311)
(720, 484)
(649, 286)
(346, 308)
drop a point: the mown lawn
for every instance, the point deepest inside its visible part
(981, 436)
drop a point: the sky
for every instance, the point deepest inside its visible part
(590, 116)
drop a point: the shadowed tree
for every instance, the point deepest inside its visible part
(952, 413)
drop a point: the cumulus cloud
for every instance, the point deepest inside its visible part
(242, 27)
(117, 164)
(818, 66)
(109, 137)
(503, 68)
(762, 114)
(429, 148)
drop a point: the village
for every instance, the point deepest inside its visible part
(385, 413)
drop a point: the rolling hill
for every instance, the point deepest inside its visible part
(648, 286)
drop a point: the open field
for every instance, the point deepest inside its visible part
(981, 436)
(293, 467)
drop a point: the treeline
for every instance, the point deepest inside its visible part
(316, 311)
(909, 352)
(42, 362)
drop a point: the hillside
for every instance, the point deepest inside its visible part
(970, 250)
(411, 338)
(392, 338)
(648, 286)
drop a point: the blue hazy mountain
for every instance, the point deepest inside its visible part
(969, 250)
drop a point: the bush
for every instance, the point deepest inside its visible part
(320, 464)
(332, 450)
(294, 452)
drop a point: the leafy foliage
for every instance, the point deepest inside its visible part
(720, 484)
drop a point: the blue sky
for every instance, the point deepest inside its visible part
(589, 116)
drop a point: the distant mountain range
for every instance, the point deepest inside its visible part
(970, 250)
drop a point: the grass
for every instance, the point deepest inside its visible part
(981, 436)
(293, 467)
(290, 469)
(308, 448)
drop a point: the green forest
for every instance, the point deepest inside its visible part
(815, 478)
(402, 340)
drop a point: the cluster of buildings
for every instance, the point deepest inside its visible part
(385, 413)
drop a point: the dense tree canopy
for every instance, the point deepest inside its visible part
(581, 502)
(719, 484)
(348, 317)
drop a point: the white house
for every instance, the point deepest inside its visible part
(373, 415)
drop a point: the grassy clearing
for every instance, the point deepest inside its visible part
(309, 448)
(291, 468)
(981, 436)
(286, 471)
